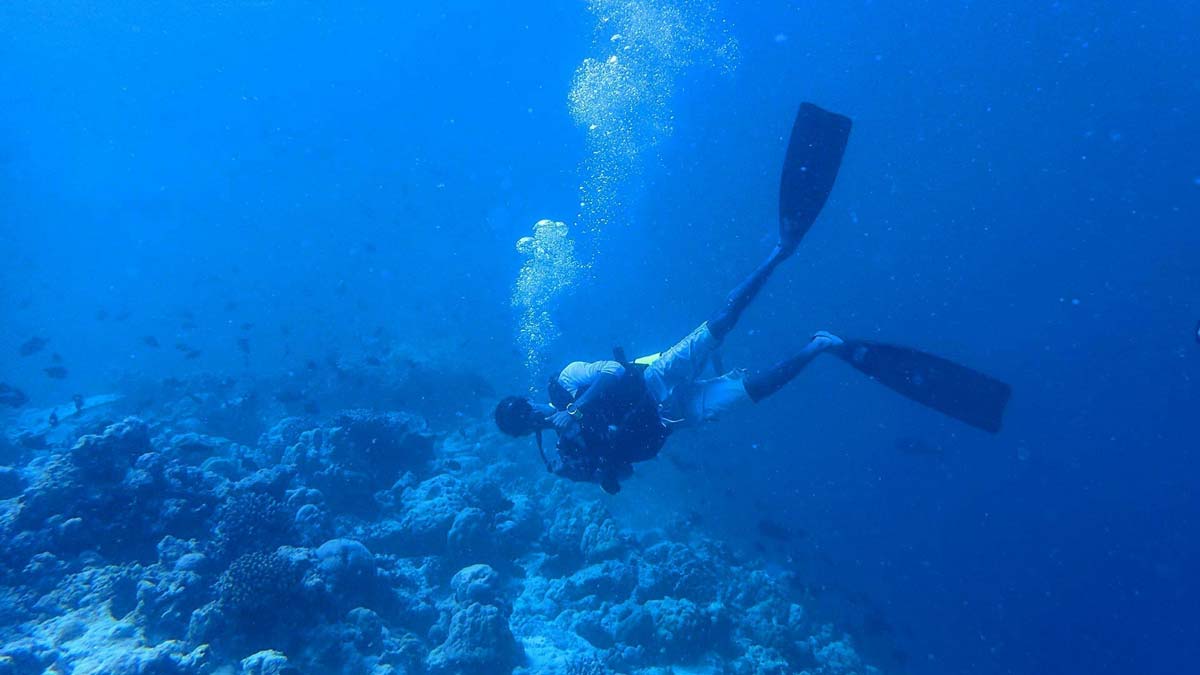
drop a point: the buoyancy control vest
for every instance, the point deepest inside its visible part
(620, 428)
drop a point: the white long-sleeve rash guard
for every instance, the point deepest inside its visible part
(580, 374)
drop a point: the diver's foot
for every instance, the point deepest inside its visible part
(781, 252)
(786, 247)
(789, 238)
(825, 341)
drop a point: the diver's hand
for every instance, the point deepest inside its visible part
(563, 423)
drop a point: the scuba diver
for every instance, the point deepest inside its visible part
(608, 415)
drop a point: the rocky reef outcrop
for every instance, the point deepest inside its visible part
(358, 542)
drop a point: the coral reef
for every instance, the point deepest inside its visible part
(358, 542)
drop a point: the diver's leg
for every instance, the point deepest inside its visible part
(762, 384)
(681, 364)
(737, 302)
(684, 362)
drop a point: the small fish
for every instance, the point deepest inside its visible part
(373, 361)
(77, 399)
(55, 372)
(53, 420)
(311, 408)
(243, 345)
(101, 314)
(188, 325)
(246, 326)
(195, 353)
(231, 305)
(122, 315)
(32, 346)
(311, 365)
(180, 346)
(56, 357)
(12, 397)
(150, 341)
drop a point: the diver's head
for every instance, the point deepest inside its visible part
(515, 416)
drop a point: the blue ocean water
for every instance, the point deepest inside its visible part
(272, 248)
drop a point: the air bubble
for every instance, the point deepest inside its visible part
(621, 96)
(549, 271)
(624, 102)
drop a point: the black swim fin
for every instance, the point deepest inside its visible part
(952, 389)
(814, 156)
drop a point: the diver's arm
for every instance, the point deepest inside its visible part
(603, 383)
